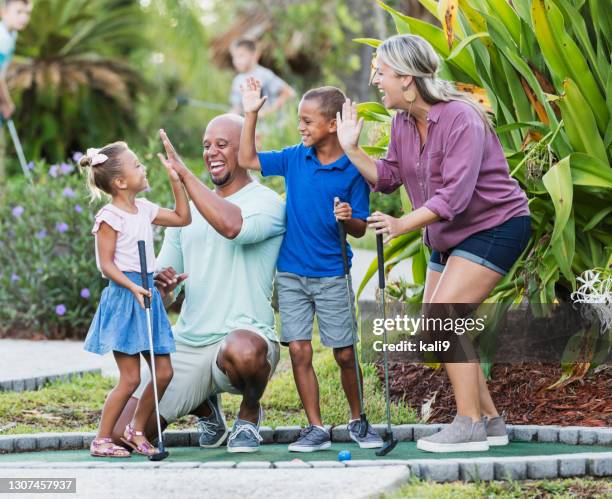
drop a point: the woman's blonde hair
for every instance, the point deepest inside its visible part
(411, 55)
(100, 175)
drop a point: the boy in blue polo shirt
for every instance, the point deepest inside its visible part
(15, 17)
(310, 276)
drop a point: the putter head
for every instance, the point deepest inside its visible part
(387, 447)
(160, 456)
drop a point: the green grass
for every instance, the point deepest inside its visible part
(574, 488)
(76, 405)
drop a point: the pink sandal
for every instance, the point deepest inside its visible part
(144, 448)
(96, 449)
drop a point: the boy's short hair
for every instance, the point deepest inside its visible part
(331, 100)
(246, 43)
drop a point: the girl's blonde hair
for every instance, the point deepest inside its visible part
(100, 176)
(411, 55)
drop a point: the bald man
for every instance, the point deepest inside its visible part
(225, 333)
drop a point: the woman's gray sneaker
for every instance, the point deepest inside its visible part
(462, 435)
(496, 431)
(371, 440)
(312, 438)
(213, 429)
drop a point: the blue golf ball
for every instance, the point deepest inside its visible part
(344, 455)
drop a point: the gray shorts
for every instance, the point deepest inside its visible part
(197, 377)
(300, 298)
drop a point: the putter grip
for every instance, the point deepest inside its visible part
(342, 235)
(143, 271)
(381, 261)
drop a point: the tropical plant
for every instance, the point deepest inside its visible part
(73, 75)
(543, 68)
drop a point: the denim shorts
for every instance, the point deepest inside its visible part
(496, 248)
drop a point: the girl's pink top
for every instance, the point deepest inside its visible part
(460, 173)
(131, 228)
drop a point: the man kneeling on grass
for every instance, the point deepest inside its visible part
(225, 335)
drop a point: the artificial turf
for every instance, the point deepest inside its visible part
(279, 452)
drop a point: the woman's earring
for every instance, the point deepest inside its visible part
(409, 94)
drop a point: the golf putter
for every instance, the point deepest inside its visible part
(390, 441)
(18, 149)
(162, 454)
(363, 424)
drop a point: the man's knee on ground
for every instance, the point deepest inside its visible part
(345, 357)
(300, 353)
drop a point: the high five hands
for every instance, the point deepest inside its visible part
(348, 127)
(252, 101)
(172, 161)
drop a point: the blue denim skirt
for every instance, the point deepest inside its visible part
(120, 323)
(496, 248)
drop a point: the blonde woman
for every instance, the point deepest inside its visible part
(476, 220)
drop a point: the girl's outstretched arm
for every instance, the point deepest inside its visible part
(181, 215)
(107, 240)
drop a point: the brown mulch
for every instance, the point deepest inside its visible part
(519, 391)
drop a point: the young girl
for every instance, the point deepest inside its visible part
(120, 321)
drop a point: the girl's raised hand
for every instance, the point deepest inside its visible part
(348, 127)
(139, 293)
(252, 101)
(172, 162)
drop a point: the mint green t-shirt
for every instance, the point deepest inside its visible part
(230, 280)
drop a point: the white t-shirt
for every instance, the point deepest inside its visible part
(131, 228)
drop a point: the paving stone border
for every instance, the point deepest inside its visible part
(440, 470)
(36, 383)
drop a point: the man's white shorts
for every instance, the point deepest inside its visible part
(197, 377)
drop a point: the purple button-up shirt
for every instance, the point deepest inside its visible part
(460, 174)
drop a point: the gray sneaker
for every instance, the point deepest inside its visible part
(213, 429)
(311, 439)
(496, 431)
(372, 439)
(462, 435)
(245, 435)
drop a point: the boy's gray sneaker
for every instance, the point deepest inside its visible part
(213, 428)
(496, 431)
(311, 439)
(372, 439)
(462, 435)
(245, 435)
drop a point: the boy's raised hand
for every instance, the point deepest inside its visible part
(348, 127)
(252, 101)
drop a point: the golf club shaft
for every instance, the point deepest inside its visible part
(382, 285)
(18, 148)
(347, 278)
(147, 301)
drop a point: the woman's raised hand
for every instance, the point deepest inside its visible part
(251, 95)
(348, 126)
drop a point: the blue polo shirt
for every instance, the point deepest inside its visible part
(311, 246)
